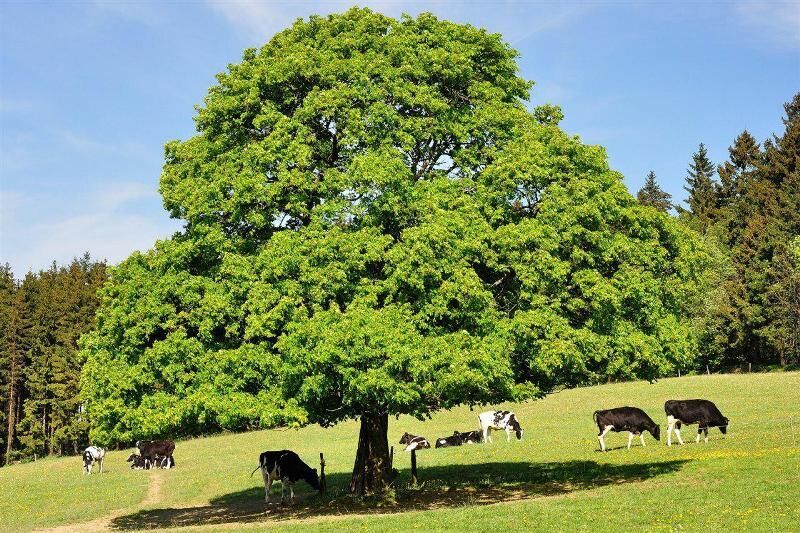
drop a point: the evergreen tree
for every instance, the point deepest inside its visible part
(701, 188)
(64, 300)
(745, 156)
(783, 297)
(15, 346)
(653, 195)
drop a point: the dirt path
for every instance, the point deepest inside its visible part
(104, 522)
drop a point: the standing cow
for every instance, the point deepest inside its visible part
(630, 419)
(287, 467)
(156, 453)
(505, 420)
(701, 412)
(92, 455)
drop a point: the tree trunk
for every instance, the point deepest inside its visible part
(372, 472)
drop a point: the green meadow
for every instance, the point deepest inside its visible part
(553, 479)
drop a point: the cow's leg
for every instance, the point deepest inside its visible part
(630, 439)
(602, 439)
(641, 438)
(102, 459)
(488, 435)
(670, 427)
(508, 434)
(678, 432)
(699, 432)
(705, 431)
(283, 491)
(267, 483)
(291, 493)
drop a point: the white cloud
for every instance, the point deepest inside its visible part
(83, 144)
(517, 21)
(15, 105)
(99, 223)
(777, 21)
(143, 12)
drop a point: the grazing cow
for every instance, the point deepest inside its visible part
(92, 455)
(446, 442)
(414, 442)
(630, 419)
(157, 452)
(286, 467)
(702, 412)
(505, 420)
(470, 437)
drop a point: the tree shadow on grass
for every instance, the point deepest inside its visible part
(442, 486)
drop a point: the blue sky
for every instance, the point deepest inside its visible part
(91, 91)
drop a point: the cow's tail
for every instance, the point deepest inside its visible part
(594, 415)
(254, 471)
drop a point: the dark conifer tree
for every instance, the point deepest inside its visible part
(653, 195)
(701, 188)
(745, 156)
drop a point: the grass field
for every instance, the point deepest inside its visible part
(554, 479)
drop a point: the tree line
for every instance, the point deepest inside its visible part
(748, 211)
(42, 317)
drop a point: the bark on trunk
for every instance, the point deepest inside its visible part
(372, 472)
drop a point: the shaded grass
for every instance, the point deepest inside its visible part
(553, 479)
(475, 485)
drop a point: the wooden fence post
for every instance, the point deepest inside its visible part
(708, 372)
(413, 467)
(322, 484)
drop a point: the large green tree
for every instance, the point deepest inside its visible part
(376, 225)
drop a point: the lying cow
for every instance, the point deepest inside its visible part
(92, 455)
(136, 461)
(285, 466)
(156, 453)
(630, 419)
(702, 412)
(446, 442)
(413, 442)
(470, 437)
(505, 420)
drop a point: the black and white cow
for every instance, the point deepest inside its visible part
(702, 412)
(287, 467)
(505, 420)
(137, 461)
(630, 419)
(92, 455)
(156, 452)
(446, 442)
(413, 442)
(470, 437)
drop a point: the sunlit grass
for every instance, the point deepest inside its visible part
(553, 479)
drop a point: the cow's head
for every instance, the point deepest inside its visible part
(514, 424)
(724, 427)
(655, 431)
(405, 439)
(312, 478)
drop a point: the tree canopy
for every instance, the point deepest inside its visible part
(376, 224)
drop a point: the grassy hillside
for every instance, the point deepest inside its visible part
(553, 479)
